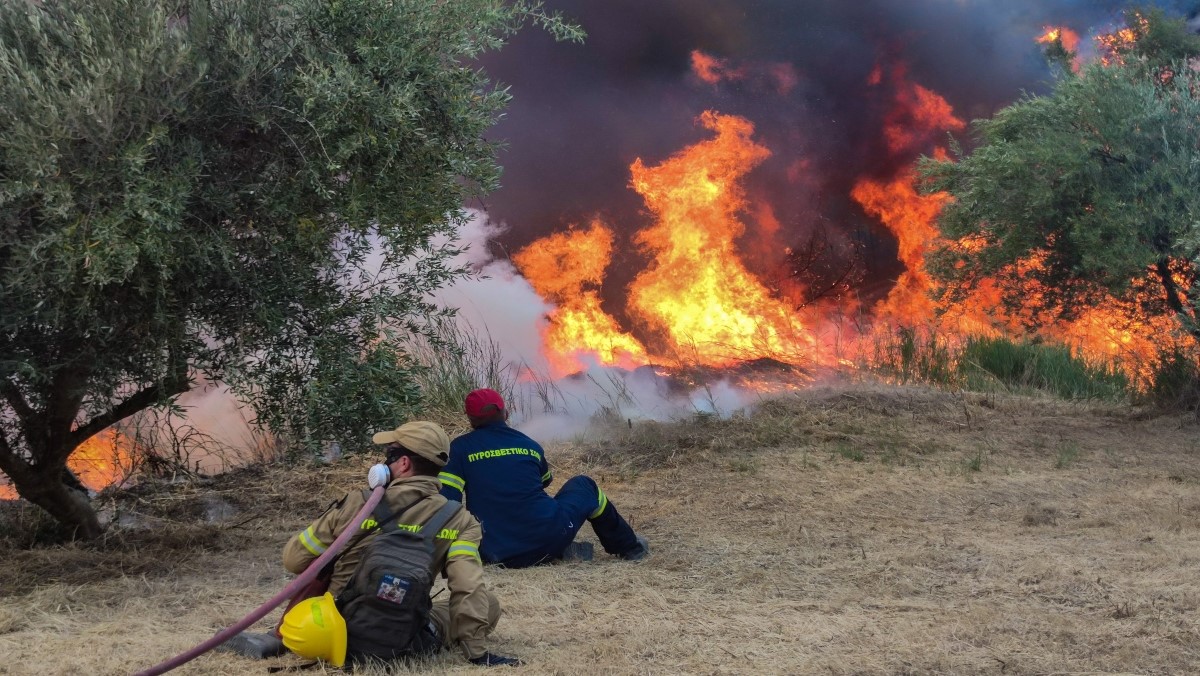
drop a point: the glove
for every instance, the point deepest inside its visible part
(490, 660)
(379, 475)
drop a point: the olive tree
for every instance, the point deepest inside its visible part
(1097, 180)
(261, 193)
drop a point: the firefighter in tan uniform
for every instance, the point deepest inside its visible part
(416, 452)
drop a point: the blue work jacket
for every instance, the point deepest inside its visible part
(503, 475)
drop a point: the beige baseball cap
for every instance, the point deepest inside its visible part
(426, 439)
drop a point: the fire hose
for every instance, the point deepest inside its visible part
(286, 593)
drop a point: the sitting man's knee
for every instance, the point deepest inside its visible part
(494, 610)
(581, 481)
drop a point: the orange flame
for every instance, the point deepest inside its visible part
(1069, 40)
(102, 461)
(1114, 46)
(712, 70)
(698, 303)
(697, 297)
(916, 113)
(566, 269)
(910, 216)
(1118, 330)
(697, 291)
(765, 76)
(1106, 333)
(1068, 37)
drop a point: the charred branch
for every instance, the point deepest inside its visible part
(136, 402)
(1175, 296)
(824, 268)
(841, 283)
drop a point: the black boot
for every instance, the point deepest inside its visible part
(258, 646)
(613, 531)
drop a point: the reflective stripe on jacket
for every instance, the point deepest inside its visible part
(504, 474)
(456, 553)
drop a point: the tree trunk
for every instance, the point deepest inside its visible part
(46, 485)
(69, 506)
(49, 436)
(1176, 298)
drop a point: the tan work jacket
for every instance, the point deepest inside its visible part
(456, 554)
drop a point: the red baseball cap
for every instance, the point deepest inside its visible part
(478, 401)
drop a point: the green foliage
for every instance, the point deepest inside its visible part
(849, 451)
(1160, 41)
(989, 364)
(1059, 57)
(1024, 366)
(451, 361)
(1176, 382)
(974, 463)
(262, 193)
(1098, 179)
(744, 465)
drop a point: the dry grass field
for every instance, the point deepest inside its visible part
(852, 530)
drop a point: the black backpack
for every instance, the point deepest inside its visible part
(386, 603)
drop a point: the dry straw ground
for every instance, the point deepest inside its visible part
(855, 530)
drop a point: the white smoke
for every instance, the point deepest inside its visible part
(495, 304)
(500, 305)
(497, 301)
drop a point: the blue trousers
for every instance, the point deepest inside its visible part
(580, 500)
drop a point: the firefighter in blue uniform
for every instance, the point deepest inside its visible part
(504, 475)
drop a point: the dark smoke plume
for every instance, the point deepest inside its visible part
(796, 68)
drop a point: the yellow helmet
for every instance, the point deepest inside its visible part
(315, 629)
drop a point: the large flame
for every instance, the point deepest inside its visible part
(697, 299)
(916, 116)
(102, 461)
(567, 269)
(910, 216)
(698, 302)
(1105, 333)
(697, 292)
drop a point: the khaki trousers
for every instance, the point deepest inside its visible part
(440, 616)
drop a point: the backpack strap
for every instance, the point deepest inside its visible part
(382, 518)
(385, 519)
(384, 523)
(435, 525)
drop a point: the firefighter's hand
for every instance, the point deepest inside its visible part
(491, 660)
